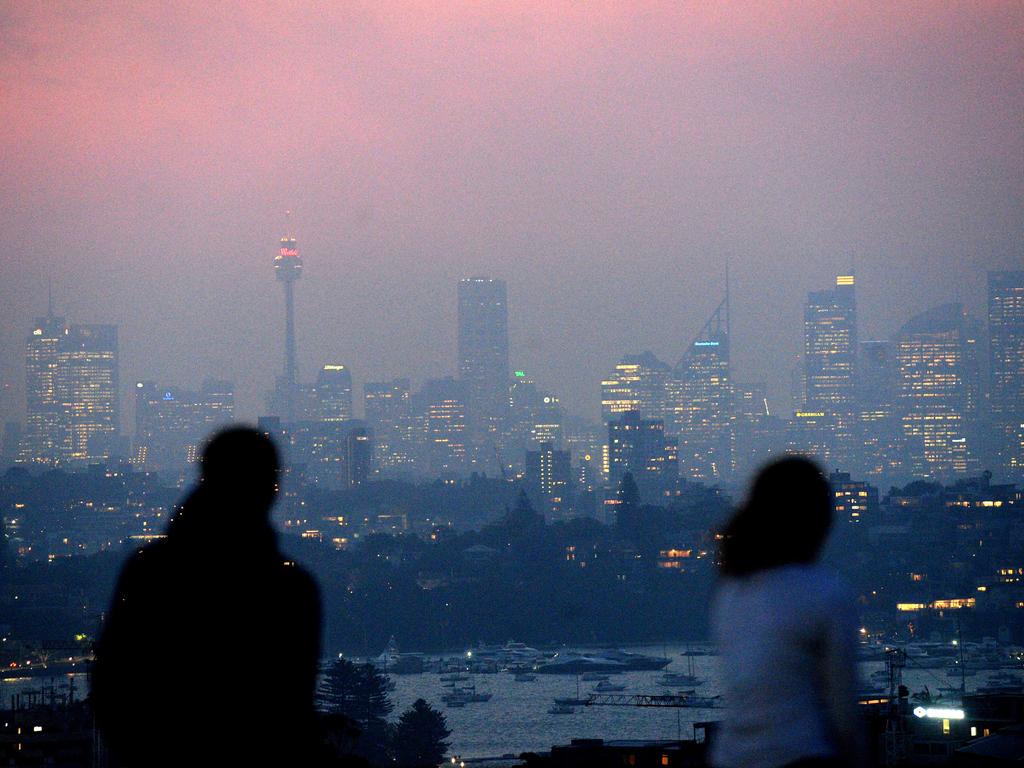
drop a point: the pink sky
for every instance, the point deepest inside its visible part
(604, 158)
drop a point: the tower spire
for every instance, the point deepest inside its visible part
(288, 268)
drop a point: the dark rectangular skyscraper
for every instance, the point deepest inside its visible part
(1006, 358)
(483, 354)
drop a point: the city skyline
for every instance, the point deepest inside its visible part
(604, 162)
(919, 404)
(781, 390)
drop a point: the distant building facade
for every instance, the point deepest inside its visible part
(636, 384)
(172, 424)
(699, 407)
(72, 381)
(933, 392)
(387, 408)
(1006, 366)
(483, 358)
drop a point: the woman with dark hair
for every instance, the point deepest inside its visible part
(786, 630)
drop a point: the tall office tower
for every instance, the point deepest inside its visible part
(549, 477)
(932, 391)
(441, 403)
(877, 452)
(638, 445)
(359, 456)
(754, 426)
(386, 404)
(830, 346)
(637, 384)
(87, 390)
(329, 399)
(534, 417)
(700, 403)
(812, 433)
(830, 362)
(483, 358)
(43, 437)
(288, 268)
(172, 424)
(331, 454)
(1006, 366)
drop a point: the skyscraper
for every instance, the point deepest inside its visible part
(877, 452)
(483, 356)
(830, 346)
(329, 398)
(830, 362)
(548, 476)
(932, 391)
(637, 384)
(534, 417)
(387, 406)
(699, 405)
(441, 405)
(638, 445)
(288, 268)
(1006, 365)
(43, 438)
(171, 424)
(87, 390)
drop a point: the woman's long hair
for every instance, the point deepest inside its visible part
(785, 520)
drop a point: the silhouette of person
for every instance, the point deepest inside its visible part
(209, 653)
(786, 630)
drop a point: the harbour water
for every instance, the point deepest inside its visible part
(516, 718)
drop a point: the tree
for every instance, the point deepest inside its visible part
(420, 737)
(359, 692)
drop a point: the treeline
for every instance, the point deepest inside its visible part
(575, 582)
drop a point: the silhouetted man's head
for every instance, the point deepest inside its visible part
(241, 463)
(785, 521)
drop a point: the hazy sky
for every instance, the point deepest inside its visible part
(605, 159)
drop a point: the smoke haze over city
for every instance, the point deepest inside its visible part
(606, 160)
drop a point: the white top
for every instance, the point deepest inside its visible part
(787, 638)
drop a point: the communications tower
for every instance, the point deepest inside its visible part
(288, 268)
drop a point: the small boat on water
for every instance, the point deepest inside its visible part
(465, 696)
(560, 709)
(606, 687)
(676, 679)
(572, 663)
